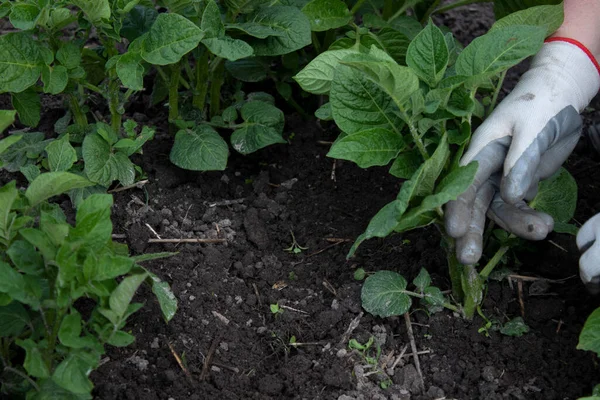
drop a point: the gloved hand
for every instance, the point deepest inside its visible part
(526, 139)
(588, 241)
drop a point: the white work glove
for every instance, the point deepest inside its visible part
(588, 241)
(526, 139)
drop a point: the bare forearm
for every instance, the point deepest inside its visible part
(582, 23)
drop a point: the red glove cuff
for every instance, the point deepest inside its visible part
(578, 44)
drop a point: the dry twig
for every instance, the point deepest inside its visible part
(208, 360)
(226, 203)
(137, 185)
(353, 325)
(179, 362)
(521, 302)
(153, 231)
(329, 287)
(293, 309)
(187, 240)
(415, 352)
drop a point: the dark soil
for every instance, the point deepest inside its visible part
(234, 347)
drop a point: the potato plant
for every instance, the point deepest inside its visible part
(66, 291)
(410, 95)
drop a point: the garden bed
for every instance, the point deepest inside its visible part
(225, 290)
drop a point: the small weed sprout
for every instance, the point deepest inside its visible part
(295, 248)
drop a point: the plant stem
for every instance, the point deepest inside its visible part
(199, 99)
(217, 80)
(496, 92)
(93, 88)
(430, 11)
(316, 43)
(400, 11)
(422, 296)
(471, 284)
(459, 4)
(415, 135)
(489, 267)
(388, 9)
(454, 267)
(113, 104)
(78, 116)
(357, 6)
(24, 376)
(174, 92)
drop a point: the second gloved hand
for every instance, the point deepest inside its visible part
(526, 139)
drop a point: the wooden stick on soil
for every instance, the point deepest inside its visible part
(180, 363)
(415, 352)
(137, 185)
(187, 240)
(208, 360)
(353, 325)
(521, 302)
(153, 231)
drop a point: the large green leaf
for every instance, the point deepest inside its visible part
(55, 79)
(406, 164)
(138, 21)
(28, 106)
(102, 165)
(316, 77)
(170, 38)
(391, 41)
(549, 17)
(384, 294)
(557, 196)
(34, 363)
(199, 149)
(24, 16)
(121, 297)
(130, 70)
(72, 372)
(21, 62)
(52, 184)
(368, 148)
(358, 104)
(262, 126)
(229, 48)
(327, 14)
(94, 10)
(499, 49)
(93, 224)
(255, 29)
(432, 168)
(61, 155)
(245, 6)
(589, 339)
(290, 22)
(427, 55)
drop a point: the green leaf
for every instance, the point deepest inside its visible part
(170, 38)
(358, 104)
(121, 339)
(317, 76)
(199, 149)
(427, 55)
(21, 62)
(61, 155)
(93, 225)
(290, 22)
(25, 257)
(166, 299)
(69, 333)
(229, 48)
(407, 25)
(51, 184)
(130, 71)
(245, 6)
(398, 82)
(30, 172)
(24, 16)
(28, 106)
(121, 297)
(13, 319)
(557, 196)
(72, 373)
(94, 10)
(515, 327)
(383, 294)
(34, 361)
(406, 164)
(15, 285)
(255, 29)
(248, 69)
(104, 166)
(549, 17)
(138, 21)
(423, 280)
(359, 274)
(24, 151)
(107, 266)
(499, 49)
(434, 299)
(432, 168)
(8, 195)
(327, 14)
(40, 240)
(262, 126)
(7, 118)
(368, 148)
(392, 42)
(211, 22)
(324, 112)
(55, 79)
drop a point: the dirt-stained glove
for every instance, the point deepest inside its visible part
(526, 139)
(588, 241)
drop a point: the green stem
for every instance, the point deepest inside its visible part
(422, 296)
(430, 11)
(357, 6)
(54, 336)
(454, 267)
(496, 92)
(388, 9)
(472, 285)
(400, 11)
(113, 105)
(416, 138)
(93, 88)
(316, 43)
(459, 4)
(78, 115)
(216, 82)
(199, 99)
(24, 376)
(489, 267)
(174, 92)
(329, 38)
